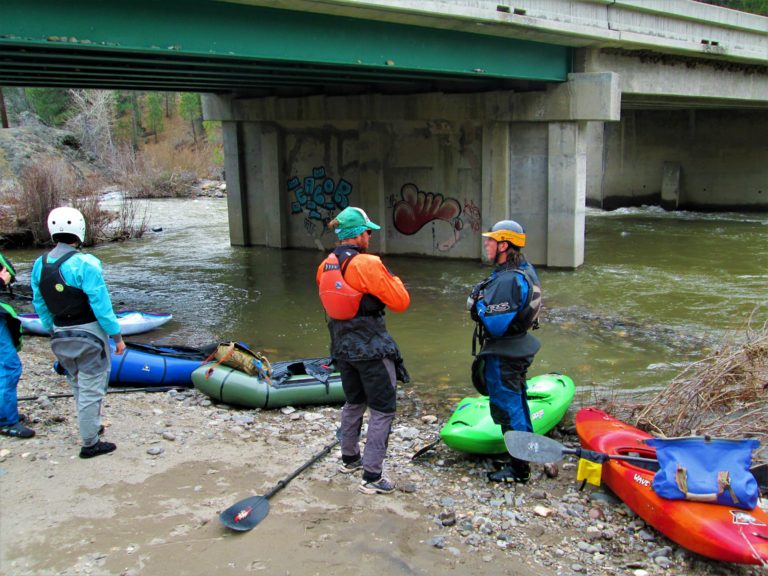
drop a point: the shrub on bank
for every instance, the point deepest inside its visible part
(51, 183)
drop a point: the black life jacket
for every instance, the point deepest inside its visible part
(69, 305)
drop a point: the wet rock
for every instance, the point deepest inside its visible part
(447, 518)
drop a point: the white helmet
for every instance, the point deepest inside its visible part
(66, 220)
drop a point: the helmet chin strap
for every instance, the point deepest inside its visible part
(499, 252)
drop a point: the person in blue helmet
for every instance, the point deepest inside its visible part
(10, 363)
(505, 306)
(73, 302)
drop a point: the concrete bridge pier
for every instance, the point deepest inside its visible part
(435, 170)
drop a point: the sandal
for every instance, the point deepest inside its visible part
(17, 430)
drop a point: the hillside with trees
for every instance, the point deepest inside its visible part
(753, 6)
(69, 146)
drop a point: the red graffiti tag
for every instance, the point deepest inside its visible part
(418, 208)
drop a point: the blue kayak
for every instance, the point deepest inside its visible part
(131, 322)
(150, 366)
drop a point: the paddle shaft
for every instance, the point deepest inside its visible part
(591, 455)
(284, 482)
(535, 448)
(112, 391)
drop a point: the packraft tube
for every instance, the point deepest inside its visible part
(293, 383)
(148, 365)
(471, 428)
(152, 365)
(712, 530)
(131, 322)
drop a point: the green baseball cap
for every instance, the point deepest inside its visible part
(353, 222)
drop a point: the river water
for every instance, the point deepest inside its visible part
(658, 291)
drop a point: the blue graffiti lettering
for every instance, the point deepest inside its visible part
(318, 196)
(341, 195)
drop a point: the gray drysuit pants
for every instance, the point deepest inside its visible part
(367, 384)
(83, 350)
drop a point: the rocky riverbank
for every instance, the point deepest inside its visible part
(151, 507)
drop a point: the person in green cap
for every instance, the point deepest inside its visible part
(10, 363)
(355, 288)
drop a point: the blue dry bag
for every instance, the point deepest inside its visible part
(704, 469)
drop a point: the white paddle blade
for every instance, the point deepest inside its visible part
(533, 447)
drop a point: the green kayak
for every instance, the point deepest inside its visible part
(293, 383)
(471, 429)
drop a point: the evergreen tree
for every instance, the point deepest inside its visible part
(190, 109)
(753, 6)
(52, 105)
(155, 112)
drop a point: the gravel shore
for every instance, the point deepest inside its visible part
(151, 507)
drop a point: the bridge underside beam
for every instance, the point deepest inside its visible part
(218, 46)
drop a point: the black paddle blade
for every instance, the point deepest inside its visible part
(424, 449)
(533, 447)
(246, 514)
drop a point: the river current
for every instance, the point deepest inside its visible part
(658, 291)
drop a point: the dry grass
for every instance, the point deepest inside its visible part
(44, 185)
(723, 395)
(167, 168)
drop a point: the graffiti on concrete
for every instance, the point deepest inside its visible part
(472, 213)
(416, 209)
(318, 196)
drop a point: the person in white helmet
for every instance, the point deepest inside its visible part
(73, 302)
(505, 306)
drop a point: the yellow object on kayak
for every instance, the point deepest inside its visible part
(589, 471)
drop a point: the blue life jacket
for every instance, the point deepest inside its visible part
(509, 301)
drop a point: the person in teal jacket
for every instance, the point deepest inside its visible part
(73, 302)
(10, 363)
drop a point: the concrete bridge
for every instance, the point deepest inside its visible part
(437, 117)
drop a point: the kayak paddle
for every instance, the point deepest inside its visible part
(246, 514)
(109, 391)
(542, 449)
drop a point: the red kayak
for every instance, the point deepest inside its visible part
(712, 530)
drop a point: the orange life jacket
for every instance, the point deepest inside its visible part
(340, 300)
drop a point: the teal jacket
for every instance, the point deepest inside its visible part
(81, 271)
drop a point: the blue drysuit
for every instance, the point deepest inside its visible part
(10, 372)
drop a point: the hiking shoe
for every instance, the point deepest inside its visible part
(97, 449)
(17, 430)
(519, 475)
(350, 467)
(380, 486)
